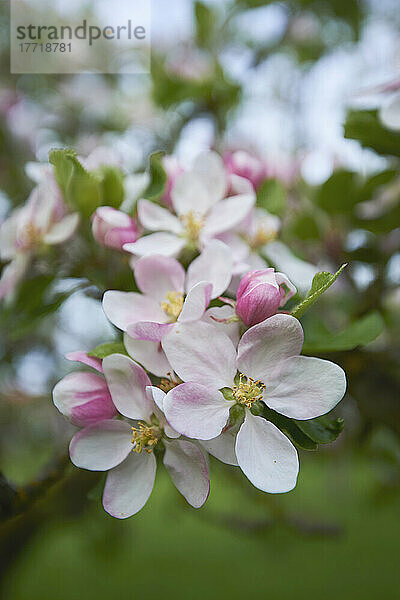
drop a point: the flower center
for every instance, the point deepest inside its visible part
(172, 305)
(30, 236)
(193, 224)
(145, 437)
(264, 234)
(168, 383)
(248, 390)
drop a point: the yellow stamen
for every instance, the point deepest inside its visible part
(172, 305)
(248, 390)
(145, 437)
(30, 236)
(193, 224)
(167, 383)
(263, 235)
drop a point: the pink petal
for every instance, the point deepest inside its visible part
(101, 446)
(157, 275)
(188, 470)
(84, 398)
(128, 486)
(213, 265)
(264, 346)
(156, 218)
(84, 358)
(305, 387)
(127, 382)
(200, 353)
(196, 302)
(266, 456)
(148, 331)
(196, 411)
(126, 308)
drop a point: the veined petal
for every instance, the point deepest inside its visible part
(157, 275)
(214, 265)
(83, 398)
(156, 218)
(126, 308)
(266, 456)
(127, 382)
(196, 302)
(128, 486)
(167, 244)
(264, 346)
(305, 387)
(101, 446)
(200, 353)
(63, 230)
(188, 470)
(149, 331)
(223, 446)
(227, 214)
(196, 411)
(149, 354)
(85, 359)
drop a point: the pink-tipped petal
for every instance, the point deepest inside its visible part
(188, 470)
(127, 382)
(196, 411)
(196, 302)
(157, 275)
(200, 353)
(126, 308)
(156, 218)
(128, 486)
(213, 265)
(306, 387)
(263, 347)
(85, 359)
(148, 331)
(266, 456)
(101, 446)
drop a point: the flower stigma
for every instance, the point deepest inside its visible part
(145, 437)
(173, 304)
(248, 391)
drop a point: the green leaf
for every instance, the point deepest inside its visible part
(108, 348)
(322, 430)
(80, 188)
(364, 126)
(158, 178)
(112, 186)
(321, 282)
(271, 196)
(339, 193)
(205, 24)
(359, 333)
(289, 426)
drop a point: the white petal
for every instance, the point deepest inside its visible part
(196, 411)
(101, 446)
(264, 346)
(300, 272)
(166, 244)
(266, 456)
(156, 218)
(214, 265)
(157, 275)
(306, 387)
(188, 470)
(223, 446)
(210, 168)
(149, 354)
(63, 230)
(390, 112)
(12, 274)
(190, 194)
(199, 352)
(232, 330)
(228, 213)
(126, 308)
(196, 302)
(127, 382)
(128, 486)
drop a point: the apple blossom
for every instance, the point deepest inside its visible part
(41, 221)
(113, 228)
(163, 282)
(246, 165)
(260, 294)
(201, 211)
(271, 372)
(125, 448)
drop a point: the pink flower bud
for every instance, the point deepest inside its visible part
(260, 294)
(113, 228)
(247, 166)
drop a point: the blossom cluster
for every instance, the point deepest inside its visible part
(209, 354)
